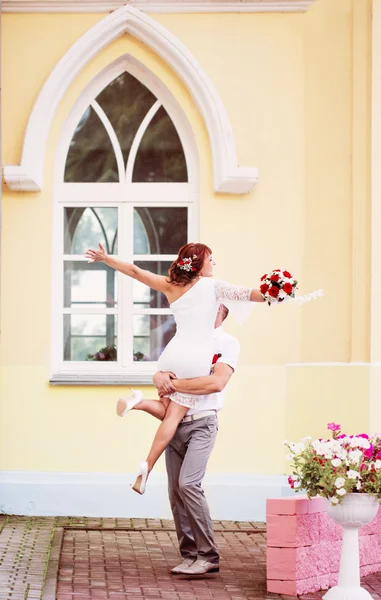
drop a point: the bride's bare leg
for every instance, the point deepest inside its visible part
(167, 429)
(135, 400)
(156, 408)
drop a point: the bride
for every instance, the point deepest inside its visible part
(194, 298)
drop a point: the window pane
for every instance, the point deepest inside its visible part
(126, 102)
(160, 156)
(145, 297)
(90, 337)
(159, 230)
(85, 227)
(151, 334)
(92, 284)
(91, 156)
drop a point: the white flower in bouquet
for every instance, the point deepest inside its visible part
(341, 492)
(336, 462)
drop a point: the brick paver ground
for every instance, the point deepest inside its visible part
(24, 553)
(129, 559)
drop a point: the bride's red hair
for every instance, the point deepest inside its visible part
(178, 276)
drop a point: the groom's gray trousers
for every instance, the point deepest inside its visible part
(186, 459)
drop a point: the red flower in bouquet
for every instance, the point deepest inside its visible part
(274, 291)
(277, 286)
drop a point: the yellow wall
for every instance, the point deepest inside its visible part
(297, 91)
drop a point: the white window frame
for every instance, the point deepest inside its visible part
(125, 196)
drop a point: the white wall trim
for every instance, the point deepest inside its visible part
(231, 497)
(228, 176)
(331, 364)
(375, 282)
(156, 6)
(375, 329)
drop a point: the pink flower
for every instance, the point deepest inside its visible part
(378, 456)
(368, 453)
(363, 435)
(363, 466)
(291, 481)
(333, 427)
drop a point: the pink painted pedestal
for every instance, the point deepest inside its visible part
(304, 545)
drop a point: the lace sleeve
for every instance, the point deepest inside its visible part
(227, 291)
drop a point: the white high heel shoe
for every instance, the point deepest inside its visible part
(139, 483)
(126, 403)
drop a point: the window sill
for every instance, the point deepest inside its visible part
(105, 379)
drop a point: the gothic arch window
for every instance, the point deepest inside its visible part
(124, 178)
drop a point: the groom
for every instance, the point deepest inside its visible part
(188, 453)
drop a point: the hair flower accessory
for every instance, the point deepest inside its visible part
(185, 264)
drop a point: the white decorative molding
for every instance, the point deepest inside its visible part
(231, 496)
(88, 378)
(228, 176)
(330, 364)
(156, 6)
(18, 178)
(375, 282)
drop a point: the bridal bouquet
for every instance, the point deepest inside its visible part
(333, 468)
(278, 286)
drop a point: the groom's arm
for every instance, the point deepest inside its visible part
(210, 384)
(215, 382)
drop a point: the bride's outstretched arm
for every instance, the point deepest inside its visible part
(156, 282)
(228, 291)
(256, 296)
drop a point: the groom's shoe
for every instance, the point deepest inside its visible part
(200, 567)
(182, 568)
(127, 403)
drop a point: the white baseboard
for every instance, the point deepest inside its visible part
(232, 497)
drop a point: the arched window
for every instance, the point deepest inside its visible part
(124, 178)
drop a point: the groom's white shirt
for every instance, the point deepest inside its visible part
(229, 348)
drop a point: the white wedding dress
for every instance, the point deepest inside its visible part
(190, 352)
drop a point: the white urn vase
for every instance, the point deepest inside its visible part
(354, 511)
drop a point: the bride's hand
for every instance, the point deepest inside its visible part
(96, 255)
